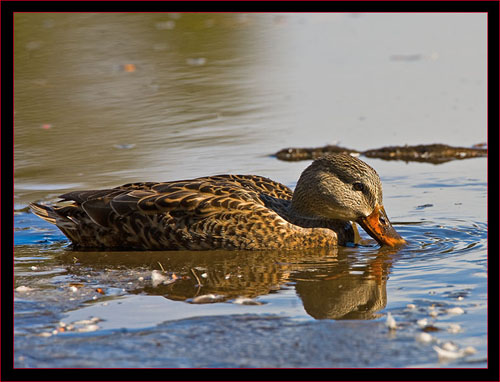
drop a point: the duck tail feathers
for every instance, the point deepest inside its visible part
(45, 212)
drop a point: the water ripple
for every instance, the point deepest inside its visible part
(437, 240)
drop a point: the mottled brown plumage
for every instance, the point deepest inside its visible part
(219, 212)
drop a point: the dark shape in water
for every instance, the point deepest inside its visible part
(435, 153)
(422, 206)
(296, 154)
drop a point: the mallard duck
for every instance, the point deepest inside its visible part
(230, 211)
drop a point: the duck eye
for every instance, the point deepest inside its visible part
(358, 186)
(382, 220)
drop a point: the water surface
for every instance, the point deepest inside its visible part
(106, 99)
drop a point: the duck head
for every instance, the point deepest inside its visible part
(343, 187)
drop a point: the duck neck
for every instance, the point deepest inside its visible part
(302, 205)
(300, 212)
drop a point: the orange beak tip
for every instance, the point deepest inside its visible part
(378, 226)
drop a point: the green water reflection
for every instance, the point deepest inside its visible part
(100, 97)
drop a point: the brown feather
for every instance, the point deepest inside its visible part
(222, 211)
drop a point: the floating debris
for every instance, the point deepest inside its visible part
(454, 328)
(100, 290)
(456, 310)
(449, 346)
(78, 326)
(129, 68)
(424, 337)
(433, 153)
(196, 277)
(88, 328)
(296, 154)
(433, 313)
(446, 355)
(430, 328)
(206, 299)
(469, 350)
(23, 289)
(46, 126)
(160, 277)
(422, 322)
(390, 322)
(246, 301)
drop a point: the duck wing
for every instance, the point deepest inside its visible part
(200, 197)
(210, 212)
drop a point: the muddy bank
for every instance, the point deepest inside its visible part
(435, 153)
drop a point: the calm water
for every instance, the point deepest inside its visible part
(106, 99)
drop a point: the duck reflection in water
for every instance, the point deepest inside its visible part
(345, 292)
(332, 284)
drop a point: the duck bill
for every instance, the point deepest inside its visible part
(378, 226)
